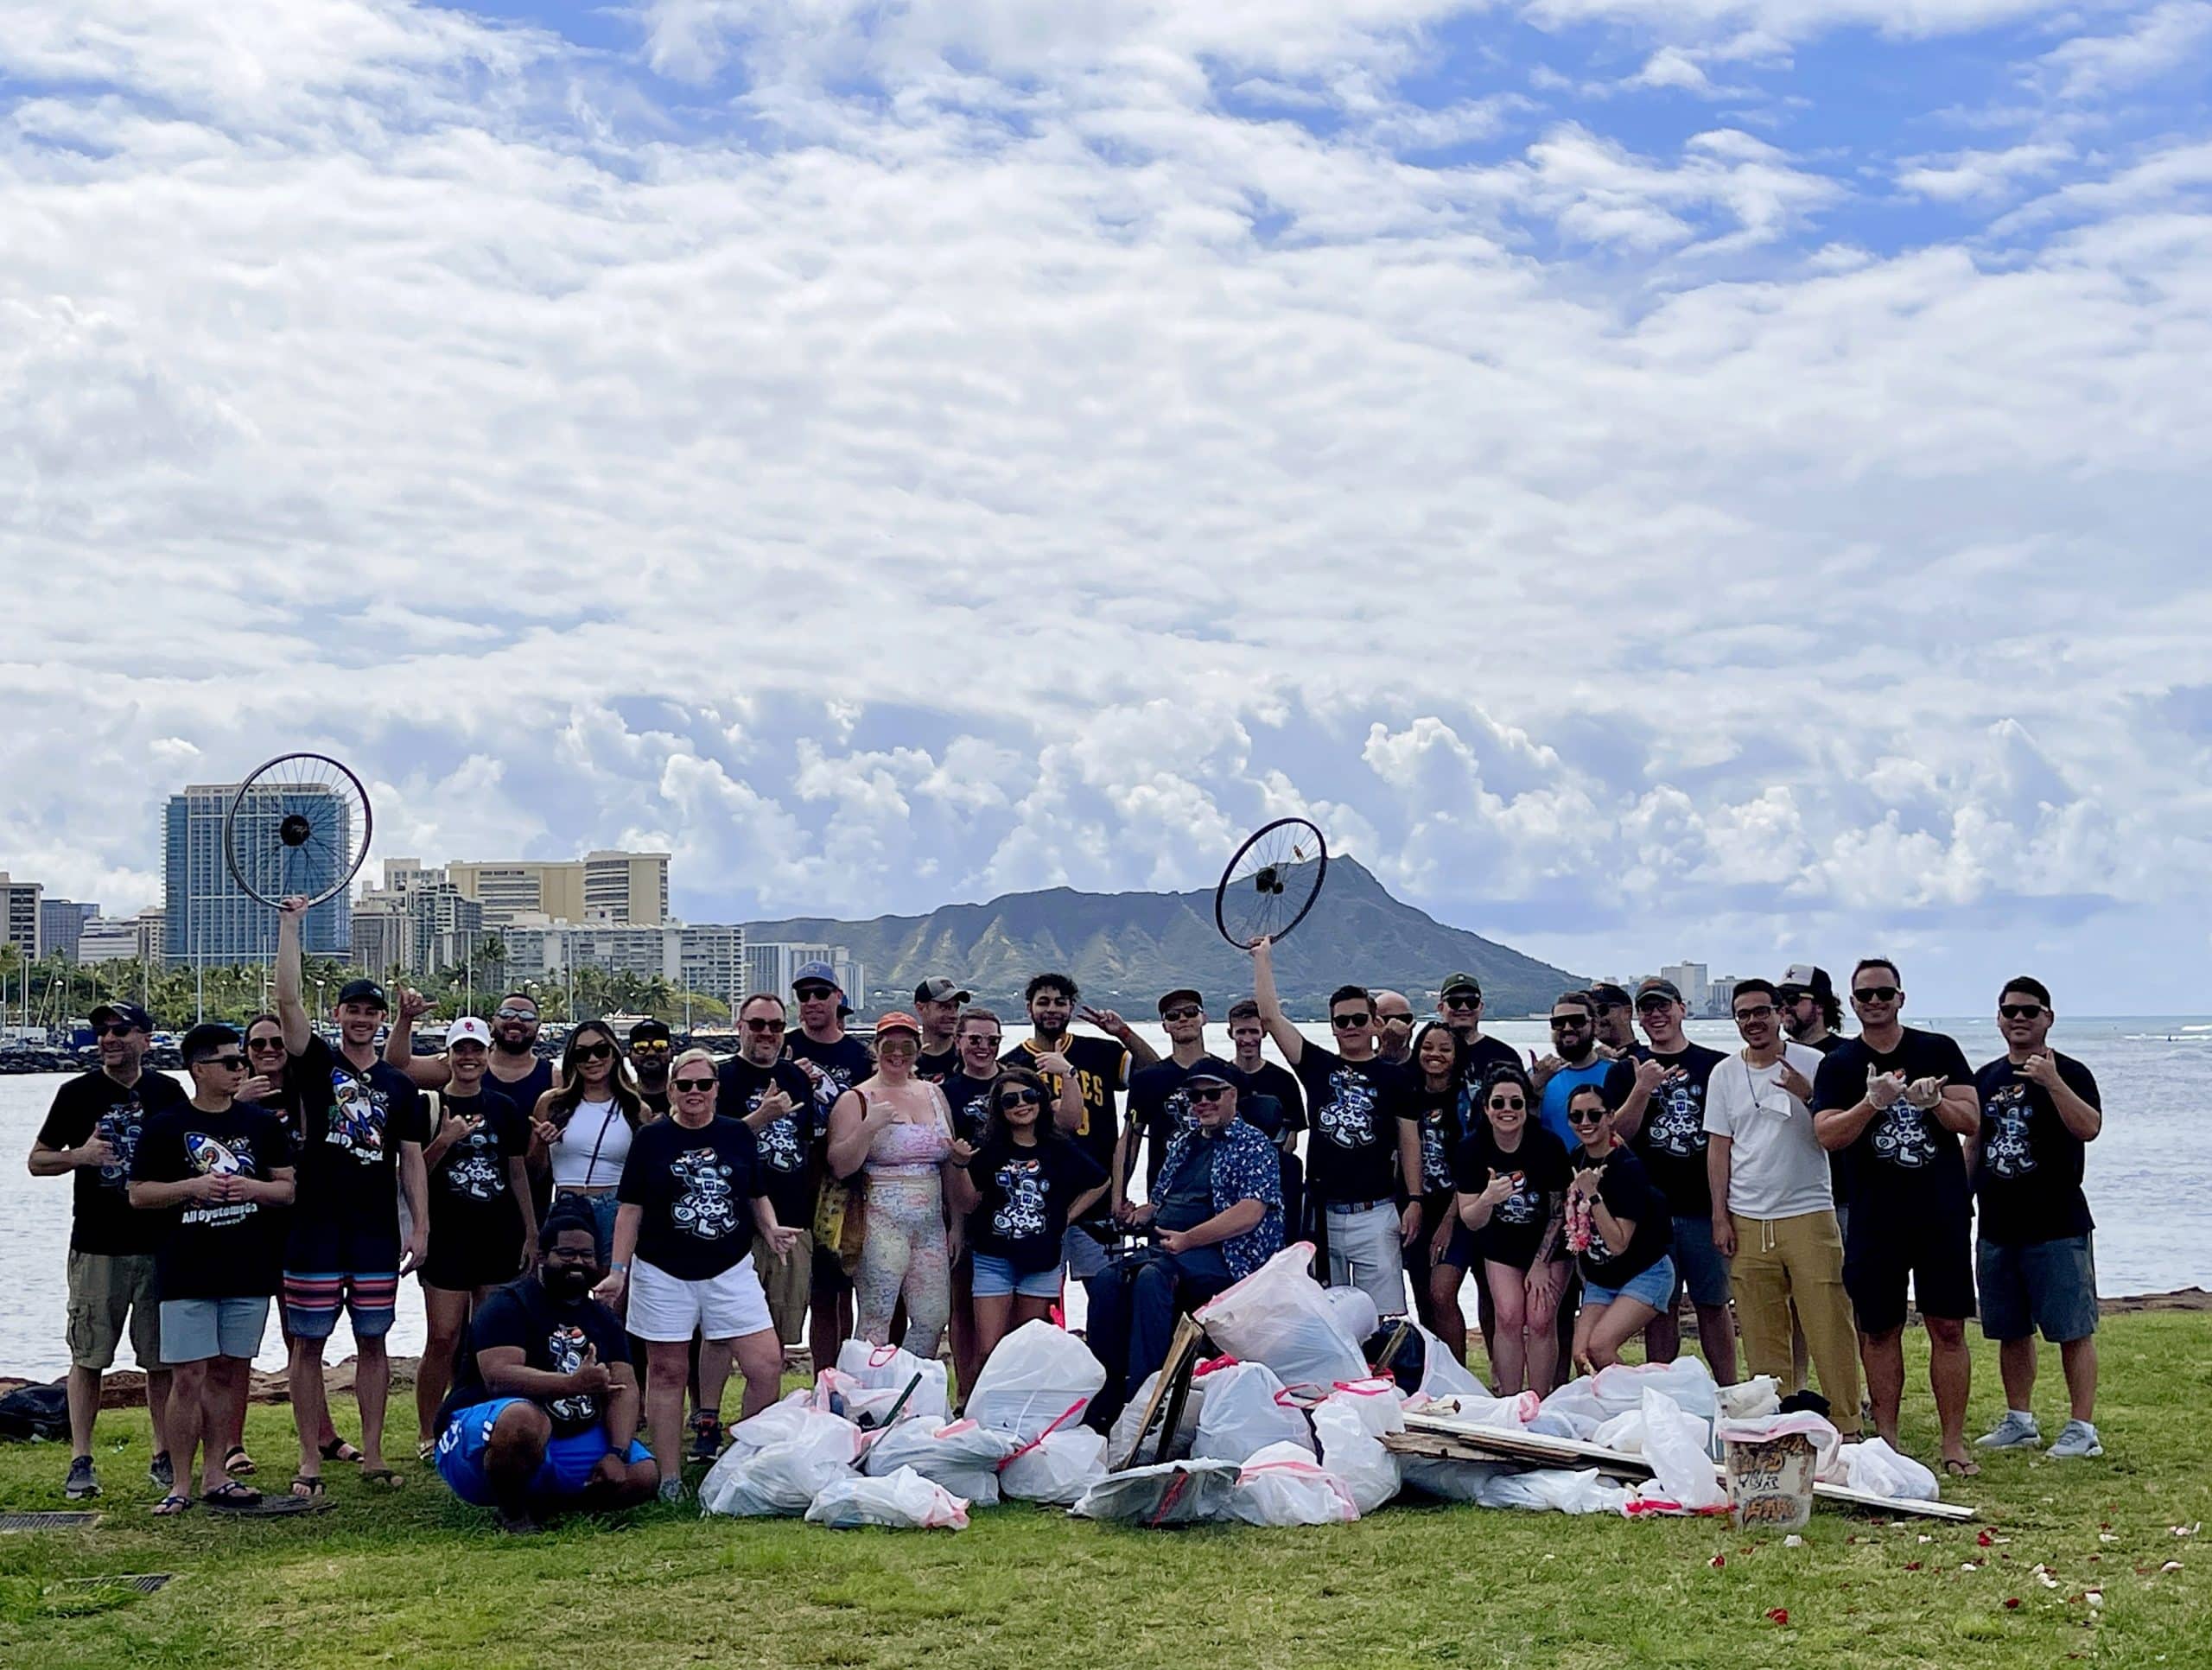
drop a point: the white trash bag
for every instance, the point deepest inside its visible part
(1682, 1477)
(1749, 1400)
(784, 1478)
(1059, 1467)
(777, 1424)
(1246, 1410)
(903, 1499)
(1510, 1414)
(1352, 1444)
(1124, 1435)
(1282, 1484)
(962, 1456)
(1555, 1489)
(1877, 1470)
(1165, 1493)
(1442, 1374)
(1278, 1315)
(882, 1372)
(1580, 1407)
(1354, 1312)
(1623, 1432)
(1038, 1377)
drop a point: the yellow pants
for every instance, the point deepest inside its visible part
(1798, 1261)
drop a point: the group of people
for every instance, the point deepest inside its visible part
(601, 1240)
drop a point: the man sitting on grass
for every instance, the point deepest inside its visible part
(543, 1409)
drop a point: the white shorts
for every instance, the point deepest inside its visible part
(726, 1307)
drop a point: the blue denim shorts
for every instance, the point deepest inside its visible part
(1698, 1263)
(1655, 1287)
(995, 1277)
(2051, 1285)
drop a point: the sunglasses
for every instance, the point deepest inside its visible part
(517, 1015)
(593, 1052)
(1569, 1022)
(1184, 1011)
(1024, 1097)
(1205, 1092)
(228, 1064)
(757, 1025)
(1463, 1003)
(114, 1029)
(1395, 1020)
(1351, 1023)
(1584, 1115)
(1654, 1005)
(693, 1086)
(988, 1040)
(277, 1043)
(816, 993)
(652, 1046)
(2019, 1011)
(1516, 1106)
(1756, 1011)
(1874, 994)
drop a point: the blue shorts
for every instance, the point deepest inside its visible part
(1655, 1287)
(995, 1277)
(2051, 1285)
(564, 1472)
(1698, 1262)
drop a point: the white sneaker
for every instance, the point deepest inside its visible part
(2077, 1437)
(2017, 1431)
(672, 1491)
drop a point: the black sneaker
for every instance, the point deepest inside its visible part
(706, 1437)
(161, 1470)
(84, 1483)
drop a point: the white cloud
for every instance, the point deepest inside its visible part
(1981, 174)
(2157, 42)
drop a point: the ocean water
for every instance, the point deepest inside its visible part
(2149, 1182)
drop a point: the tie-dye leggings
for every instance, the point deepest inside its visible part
(905, 1254)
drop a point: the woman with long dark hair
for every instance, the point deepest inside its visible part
(582, 1127)
(1438, 1264)
(1512, 1178)
(1017, 1187)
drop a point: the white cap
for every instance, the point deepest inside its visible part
(468, 1030)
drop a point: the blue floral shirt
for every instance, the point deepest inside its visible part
(1244, 1168)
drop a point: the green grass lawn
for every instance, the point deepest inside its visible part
(416, 1579)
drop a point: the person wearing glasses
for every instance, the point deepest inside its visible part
(1510, 1176)
(580, 1132)
(1663, 1115)
(91, 1134)
(691, 1205)
(650, 1045)
(1393, 1028)
(1617, 1228)
(2037, 1269)
(1017, 1188)
(1573, 1061)
(1460, 1005)
(515, 1068)
(1616, 1013)
(1217, 1218)
(1362, 1157)
(1157, 1107)
(937, 1005)
(897, 1128)
(1444, 1104)
(835, 1062)
(204, 1174)
(761, 1086)
(1773, 1212)
(1899, 1100)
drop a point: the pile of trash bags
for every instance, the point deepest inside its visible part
(1285, 1429)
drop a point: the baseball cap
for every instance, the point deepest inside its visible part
(816, 974)
(1607, 995)
(129, 1013)
(939, 990)
(1651, 983)
(362, 991)
(1461, 981)
(205, 1038)
(468, 1030)
(649, 1031)
(1169, 999)
(1804, 976)
(1213, 1070)
(897, 1020)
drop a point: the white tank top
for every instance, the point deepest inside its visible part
(590, 1153)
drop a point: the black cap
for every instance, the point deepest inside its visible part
(1169, 999)
(938, 989)
(129, 1013)
(362, 991)
(206, 1038)
(1607, 995)
(1213, 1067)
(1660, 984)
(647, 1031)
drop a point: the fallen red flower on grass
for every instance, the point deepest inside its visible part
(1779, 1614)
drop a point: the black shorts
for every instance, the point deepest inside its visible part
(1886, 1248)
(461, 1263)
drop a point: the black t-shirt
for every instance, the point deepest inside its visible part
(966, 1098)
(1272, 1078)
(1487, 1053)
(1839, 1158)
(1671, 1142)
(937, 1065)
(1516, 1223)
(1905, 1162)
(695, 1188)
(1026, 1192)
(471, 1200)
(1629, 1195)
(832, 1068)
(552, 1337)
(1158, 1110)
(349, 1149)
(791, 1168)
(104, 1221)
(214, 1249)
(1445, 1120)
(2028, 1169)
(656, 1101)
(1101, 1068)
(1352, 1153)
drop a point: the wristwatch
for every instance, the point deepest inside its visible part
(619, 1269)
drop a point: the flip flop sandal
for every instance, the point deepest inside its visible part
(426, 1448)
(339, 1450)
(383, 1477)
(236, 1463)
(306, 1488)
(231, 1497)
(1961, 1470)
(171, 1505)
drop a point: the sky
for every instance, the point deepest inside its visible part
(1652, 479)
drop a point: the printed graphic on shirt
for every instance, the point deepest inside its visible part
(564, 1348)
(705, 1206)
(1674, 1122)
(474, 1171)
(1023, 1185)
(2006, 1148)
(1435, 1163)
(830, 1080)
(783, 1148)
(358, 1114)
(1901, 1137)
(213, 1158)
(118, 1128)
(1522, 1205)
(1347, 1118)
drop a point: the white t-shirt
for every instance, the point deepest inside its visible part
(1776, 1167)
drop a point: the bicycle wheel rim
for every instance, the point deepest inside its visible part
(1271, 882)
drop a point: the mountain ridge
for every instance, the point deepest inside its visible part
(1125, 948)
